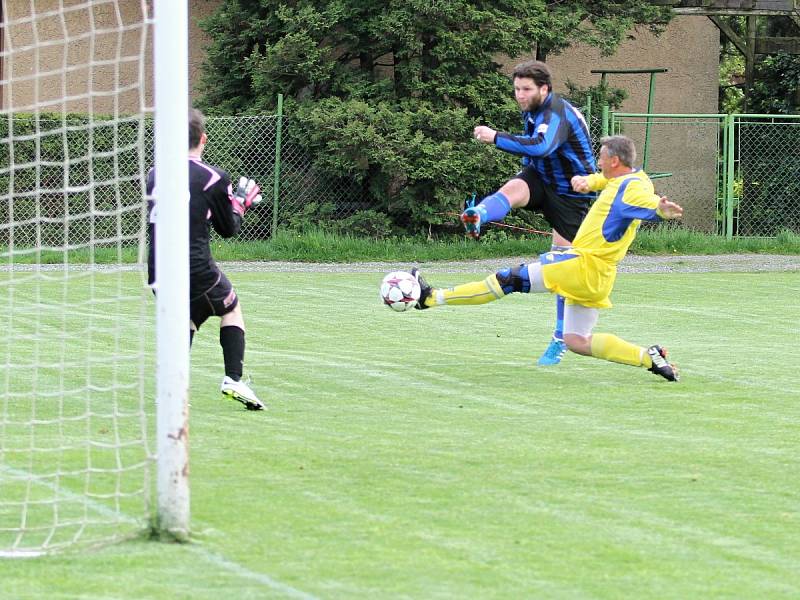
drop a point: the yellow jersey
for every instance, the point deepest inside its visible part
(585, 274)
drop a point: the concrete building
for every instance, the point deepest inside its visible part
(686, 148)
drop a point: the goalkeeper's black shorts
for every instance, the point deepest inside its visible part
(215, 301)
(565, 214)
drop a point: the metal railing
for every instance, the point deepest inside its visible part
(685, 160)
(737, 174)
(764, 189)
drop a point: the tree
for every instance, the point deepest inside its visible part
(776, 87)
(386, 91)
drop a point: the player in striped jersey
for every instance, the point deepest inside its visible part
(555, 147)
(585, 274)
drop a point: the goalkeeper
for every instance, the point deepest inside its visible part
(585, 274)
(555, 147)
(212, 202)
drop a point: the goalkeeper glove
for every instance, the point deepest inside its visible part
(246, 195)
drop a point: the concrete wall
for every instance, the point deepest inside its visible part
(198, 39)
(689, 48)
(51, 60)
(687, 148)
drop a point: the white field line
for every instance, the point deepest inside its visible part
(237, 569)
(65, 494)
(211, 557)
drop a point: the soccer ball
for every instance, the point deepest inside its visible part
(400, 291)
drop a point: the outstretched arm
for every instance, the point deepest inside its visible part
(668, 209)
(551, 131)
(639, 202)
(224, 220)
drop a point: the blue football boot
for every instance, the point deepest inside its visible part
(554, 353)
(471, 219)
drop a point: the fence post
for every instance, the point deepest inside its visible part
(604, 122)
(277, 171)
(729, 172)
(721, 226)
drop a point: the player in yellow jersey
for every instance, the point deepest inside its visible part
(585, 274)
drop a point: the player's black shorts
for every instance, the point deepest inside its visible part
(564, 214)
(217, 300)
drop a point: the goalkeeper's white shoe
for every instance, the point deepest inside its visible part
(240, 391)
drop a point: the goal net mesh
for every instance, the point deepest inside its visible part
(75, 460)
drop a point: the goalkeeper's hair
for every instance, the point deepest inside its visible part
(620, 146)
(197, 127)
(536, 70)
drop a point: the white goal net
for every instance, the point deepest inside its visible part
(75, 462)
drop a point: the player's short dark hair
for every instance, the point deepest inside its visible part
(620, 146)
(536, 70)
(197, 127)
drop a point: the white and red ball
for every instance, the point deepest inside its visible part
(400, 291)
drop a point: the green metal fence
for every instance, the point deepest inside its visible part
(685, 159)
(764, 187)
(294, 191)
(736, 175)
(63, 183)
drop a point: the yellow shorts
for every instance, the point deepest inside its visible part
(581, 279)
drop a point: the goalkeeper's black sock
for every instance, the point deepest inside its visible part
(231, 338)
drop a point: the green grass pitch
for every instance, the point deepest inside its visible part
(424, 455)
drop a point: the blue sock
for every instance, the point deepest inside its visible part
(558, 332)
(494, 207)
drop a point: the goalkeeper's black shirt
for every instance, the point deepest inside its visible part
(210, 204)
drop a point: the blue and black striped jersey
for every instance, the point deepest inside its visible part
(555, 142)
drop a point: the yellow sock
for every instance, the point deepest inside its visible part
(609, 347)
(475, 292)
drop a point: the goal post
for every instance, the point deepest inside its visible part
(172, 265)
(83, 86)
